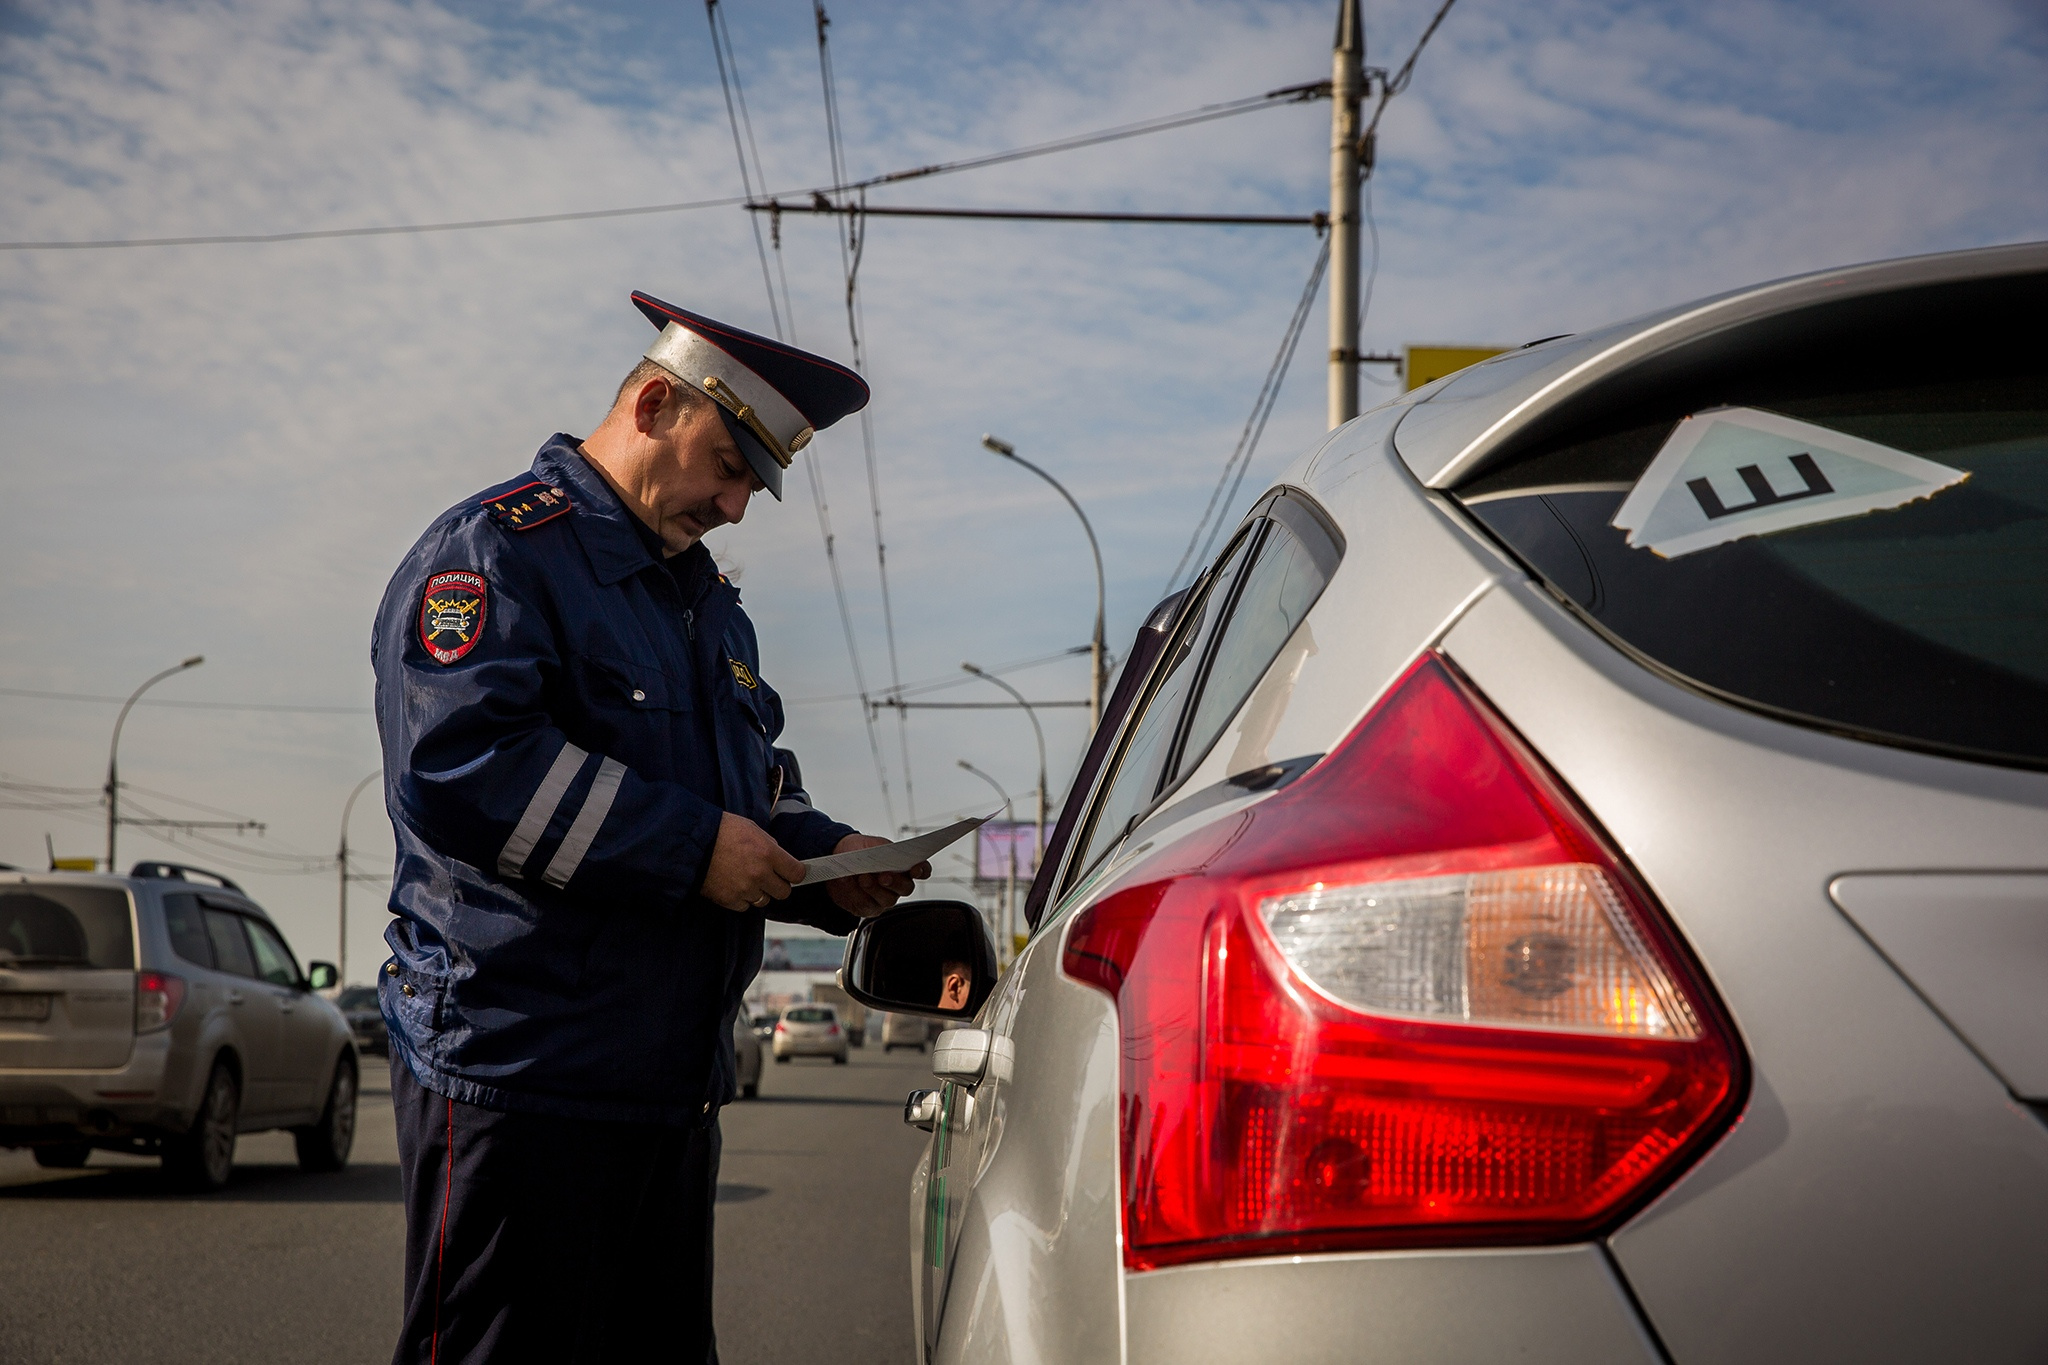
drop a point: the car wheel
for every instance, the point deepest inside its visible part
(203, 1157)
(840, 1060)
(780, 1059)
(325, 1146)
(750, 1090)
(63, 1156)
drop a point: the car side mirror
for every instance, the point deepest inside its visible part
(933, 958)
(321, 975)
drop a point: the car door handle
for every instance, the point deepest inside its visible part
(234, 997)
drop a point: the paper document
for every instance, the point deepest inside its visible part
(897, 857)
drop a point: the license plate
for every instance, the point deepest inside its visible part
(35, 1007)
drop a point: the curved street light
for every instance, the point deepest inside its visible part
(1038, 852)
(114, 749)
(1003, 948)
(341, 861)
(1095, 653)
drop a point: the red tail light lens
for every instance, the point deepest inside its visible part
(1412, 999)
(831, 1030)
(157, 998)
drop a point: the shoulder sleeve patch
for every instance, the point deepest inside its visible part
(528, 506)
(452, 614)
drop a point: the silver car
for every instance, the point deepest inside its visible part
(157, 1015)
(809, 1030)
(1569, 883)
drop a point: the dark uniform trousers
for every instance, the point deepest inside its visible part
(536, 1238)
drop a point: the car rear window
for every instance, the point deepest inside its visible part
(809, 1016)
(1923, 622)
(42, 925)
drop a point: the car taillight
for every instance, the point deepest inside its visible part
(157, 998)
(779, 1027)
(831, 1030)
(1413, 999)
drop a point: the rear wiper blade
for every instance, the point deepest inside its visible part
(46, 960)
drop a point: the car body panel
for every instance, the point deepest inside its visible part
(1540, 1304)
(1975, 946)
(1867, 1113)
(1031, 1252)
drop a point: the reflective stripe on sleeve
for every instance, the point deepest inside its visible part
(540, 810)
(604, 789)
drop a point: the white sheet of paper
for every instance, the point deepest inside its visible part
(897, 857)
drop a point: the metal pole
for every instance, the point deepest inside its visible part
(1095, 650)
(341, 862)
(1003, 949)
(1347, 83)
(1038, 846)
(114, 749)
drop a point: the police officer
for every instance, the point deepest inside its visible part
(593, 823)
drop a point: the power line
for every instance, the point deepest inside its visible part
(852, 242)
(864, 210)
(190, 705)
(1272, 99)
(735, 107)
(1254, 425)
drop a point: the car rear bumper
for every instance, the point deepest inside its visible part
(786, 1046)
(38, 1106)
(1535, 1304)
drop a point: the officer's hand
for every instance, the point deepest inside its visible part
(748, 868)
(871, 893)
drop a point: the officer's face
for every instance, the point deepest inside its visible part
(698, 480)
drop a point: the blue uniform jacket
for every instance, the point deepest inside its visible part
(565, 717)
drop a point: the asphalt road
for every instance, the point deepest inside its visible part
(105, 1265)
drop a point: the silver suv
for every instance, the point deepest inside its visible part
(1570, 883)
(155, 1014)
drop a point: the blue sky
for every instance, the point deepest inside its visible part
(224, 450)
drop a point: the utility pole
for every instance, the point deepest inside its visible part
(1038, 844)
(1008, 944)
(1347, 92)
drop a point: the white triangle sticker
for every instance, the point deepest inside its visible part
(1727, 473)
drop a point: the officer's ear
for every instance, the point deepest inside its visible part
(648, 402)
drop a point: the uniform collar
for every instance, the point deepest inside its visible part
(608, 531)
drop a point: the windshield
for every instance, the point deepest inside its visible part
(45, 925)
(1868, 551)
(357, 997)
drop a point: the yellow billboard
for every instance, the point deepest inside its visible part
(1427, 364)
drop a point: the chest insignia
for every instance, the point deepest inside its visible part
(741, 675)
(452, 614)
(529, 506)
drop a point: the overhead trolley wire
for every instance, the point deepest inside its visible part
(721, 44)
(735, 107)
(1254, 426)
(1272, 99)
(852, 243)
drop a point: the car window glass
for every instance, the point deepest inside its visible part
(273, 960)
(45, 925)
(1131, 788)
(809, 1016)
(185, 922)
(1278, 591)
(230, 946)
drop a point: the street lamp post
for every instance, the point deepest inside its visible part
(1003, 949)
(341, 862)
(1038, 846)
(114, 750)
(1095, 649)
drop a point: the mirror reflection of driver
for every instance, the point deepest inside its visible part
(956, 979)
